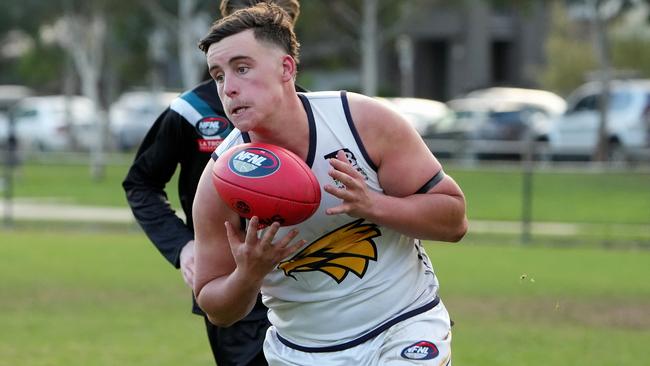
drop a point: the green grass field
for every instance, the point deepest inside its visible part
(88, 294)
(108, 298)
(602, 198)
(610, 208)
(72, 298)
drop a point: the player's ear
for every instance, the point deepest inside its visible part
(289, 68)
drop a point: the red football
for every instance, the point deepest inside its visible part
(267, 181)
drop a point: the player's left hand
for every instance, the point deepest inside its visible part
(356, 196)
(187, 263)
(257, 256)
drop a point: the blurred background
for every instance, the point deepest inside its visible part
(567, 75)
(540, 109)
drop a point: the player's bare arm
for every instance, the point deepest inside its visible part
(405, 164)
(231, 264)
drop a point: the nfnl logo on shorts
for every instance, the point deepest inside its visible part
(254, 162)
(421, 350)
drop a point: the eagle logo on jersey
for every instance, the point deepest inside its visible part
(349, 248)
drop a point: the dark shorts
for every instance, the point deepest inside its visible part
(241, 343)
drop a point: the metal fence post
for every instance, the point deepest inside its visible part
(10, 162)
(527, 187)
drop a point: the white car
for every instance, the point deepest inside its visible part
(55, 122)
(628, 121)
(423, 114)
(549, 102)
(133, 113)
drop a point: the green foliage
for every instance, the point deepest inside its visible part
(571, 56)
(30, 70)
(568, 56)
(632, 53)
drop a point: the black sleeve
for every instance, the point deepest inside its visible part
(154, 165)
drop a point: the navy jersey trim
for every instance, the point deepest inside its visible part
(311, 154)
(373, 333)
(357, 138)
(246, 137)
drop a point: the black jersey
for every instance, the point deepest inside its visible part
(183, 136)
(174, 140)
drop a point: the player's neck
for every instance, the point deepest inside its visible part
(288, 127)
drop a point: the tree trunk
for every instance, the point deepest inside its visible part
(369, 47)
(187, 43)
(602, 50)
(85, 39)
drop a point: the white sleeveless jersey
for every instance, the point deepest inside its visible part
(352, 276)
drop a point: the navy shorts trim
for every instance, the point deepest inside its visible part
(373, 333)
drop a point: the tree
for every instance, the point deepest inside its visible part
(569, 55)
(188, 23)
(357, 28)
(83, 36)
(602, 14)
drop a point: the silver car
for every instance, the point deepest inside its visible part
(575, 133)
(55, 122)
(133, 113)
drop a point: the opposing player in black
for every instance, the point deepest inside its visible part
(185, 135)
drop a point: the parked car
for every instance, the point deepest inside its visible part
(424, 114)
(549, 102)
(10, 94)
(133, 113)
(506, 116)
(474, 108)
(494, 129)
(55, 122)
(575, 133)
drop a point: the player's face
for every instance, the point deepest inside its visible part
(248, 74)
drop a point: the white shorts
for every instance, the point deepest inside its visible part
(424, 339)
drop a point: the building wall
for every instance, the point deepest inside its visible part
(461, 48)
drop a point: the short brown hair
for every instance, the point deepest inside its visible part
(292, 7)
(269, 24)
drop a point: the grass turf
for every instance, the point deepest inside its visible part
(492, 194)
(107, 298)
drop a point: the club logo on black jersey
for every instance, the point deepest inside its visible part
(212, 126)
(346, 249)
(353, 161)
(254, 162)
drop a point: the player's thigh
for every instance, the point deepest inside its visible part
(422, 340)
